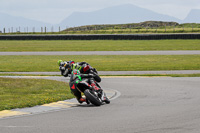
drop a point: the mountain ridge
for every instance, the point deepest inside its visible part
(9, 21)
(193, 15)
(111, 15)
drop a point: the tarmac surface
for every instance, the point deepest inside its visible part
(146, 105)
(178, 52)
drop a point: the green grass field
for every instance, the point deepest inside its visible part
(135, 31)
(19, 93)
(99, 45)
(102, 62)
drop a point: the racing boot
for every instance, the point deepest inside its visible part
(81, 100)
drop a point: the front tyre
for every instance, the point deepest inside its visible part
(92, 97)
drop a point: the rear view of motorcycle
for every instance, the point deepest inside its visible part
(86, 83)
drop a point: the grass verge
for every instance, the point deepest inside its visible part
(20, 93)
(99, 45)
(102, 62)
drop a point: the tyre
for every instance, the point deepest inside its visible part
(92, 97)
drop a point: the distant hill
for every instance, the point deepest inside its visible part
(193, 16)
(146, 24)
(115, 15)
(8, 21)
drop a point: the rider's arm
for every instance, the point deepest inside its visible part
(81, 63)
(86, 75)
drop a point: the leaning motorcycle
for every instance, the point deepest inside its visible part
(89, 86)
(93, 92)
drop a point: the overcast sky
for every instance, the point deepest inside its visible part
(54, 11)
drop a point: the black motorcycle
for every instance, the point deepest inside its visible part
(88, 85)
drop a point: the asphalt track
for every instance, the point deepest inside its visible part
(178, 52)
(146, 105)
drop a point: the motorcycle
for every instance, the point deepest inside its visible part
(93, 92)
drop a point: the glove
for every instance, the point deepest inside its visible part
(91, 75)
(94, 69)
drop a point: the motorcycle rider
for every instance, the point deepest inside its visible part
(66, 67)
(78, 81)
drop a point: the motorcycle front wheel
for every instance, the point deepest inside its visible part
(95, 100)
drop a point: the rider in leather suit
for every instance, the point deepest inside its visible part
(66, 67)
(78, 81)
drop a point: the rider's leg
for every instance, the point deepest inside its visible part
(76, 93)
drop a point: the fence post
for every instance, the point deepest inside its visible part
(52, 29)
(33, 29)
(192, 27)
(96, 29)
(174, 28)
